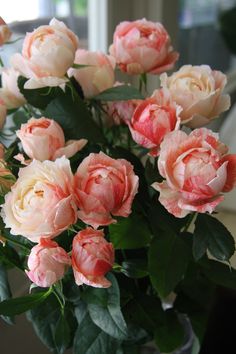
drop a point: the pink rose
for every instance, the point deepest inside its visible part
(3, 113)
(142, 47)
(41, 200)
(43, 139)
(47, 263)
(98, 76)
(197, 170)
(92, 258)
(9, 92)
(199, 91)
(104, 186)
(47, 54)
(5, 33)
(153, 119)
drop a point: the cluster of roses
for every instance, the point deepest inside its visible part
(47, 198)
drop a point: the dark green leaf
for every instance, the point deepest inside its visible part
(74, 118)
(10, 257)
(80, 66)
(227, 26)
(105, 310)
(40, 97)
(129, 233)
(170, 335)
(160, 220)
(90, 339)
(135, 268)
(62, 335)
(211, 234)
(44, 319)
(120, 93)
(168, 260)
(219, 273)
(21, 304)
(5, 292)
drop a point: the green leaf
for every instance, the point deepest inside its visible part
(10, 257)
(45, 318)
(62, 335)
(80, 66)
(219, 273)
(105, 311)
(40, 97)
(22, 304)
(5, 292)
(129, 233)
(170, 335)
(211, 234)
(135, 268)
(74, 117)
(90, 339)
(120, 93)
(168, 260)
(162, 221)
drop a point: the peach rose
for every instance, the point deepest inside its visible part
(2, 151)
(198, 90)
(92, 258)
(104, 186)
(5, 33)
(47, 54)
(43, 139)
(153, 119)
(197, 170)
(3, 113)
(9, 92)
(142, 47)
(47, 263)
(98, 76)
(41, 200)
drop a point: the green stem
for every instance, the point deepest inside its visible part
(189, 221)
(1, 62)
(62, 305)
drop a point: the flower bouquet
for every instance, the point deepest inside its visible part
(107, 191)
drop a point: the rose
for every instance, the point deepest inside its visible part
(2, 151)
(142, 46)
(97, 76)
(3, 113)
(198, 90)
(41, 200)
(5, 33)
(92, 258)
(197, 170)
(9, 92)
(153, 119)
(104, 186)
(43, 139)
(47, 263)
(47, 54)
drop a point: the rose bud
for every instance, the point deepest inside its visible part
(197, 170)
(5, 33)
(153, 119)
(9, 92)
(98, 76)
(43, 139)
(142, 47)
(41, 200)
(92, 258)
(47, 54)
(199, 91)
(47, 263)
(104, 186)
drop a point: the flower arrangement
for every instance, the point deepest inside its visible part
(107, 191)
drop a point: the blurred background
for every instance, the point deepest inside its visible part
(203, 31)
